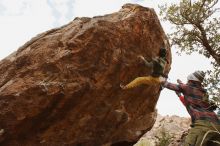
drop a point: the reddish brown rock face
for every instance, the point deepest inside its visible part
(62, 87)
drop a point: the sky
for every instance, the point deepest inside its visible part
(20, 20)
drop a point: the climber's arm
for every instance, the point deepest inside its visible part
(172, 86)
(148, 64)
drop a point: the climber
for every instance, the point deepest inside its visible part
(211, 104)
(205, 123)
(157, 66)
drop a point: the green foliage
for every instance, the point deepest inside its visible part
(163, 138)
(197, 29)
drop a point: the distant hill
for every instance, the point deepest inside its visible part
(167, 129)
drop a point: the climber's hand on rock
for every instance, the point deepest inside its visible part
(122, 86)
(141, 57)
(162, 80)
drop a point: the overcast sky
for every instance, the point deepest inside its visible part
(20, 20)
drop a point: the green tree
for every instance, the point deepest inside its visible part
(196, 29)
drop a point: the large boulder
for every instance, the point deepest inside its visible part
(62, 87)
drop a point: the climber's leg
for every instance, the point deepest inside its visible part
(149, 80)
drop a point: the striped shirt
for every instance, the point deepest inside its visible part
(195, 104)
